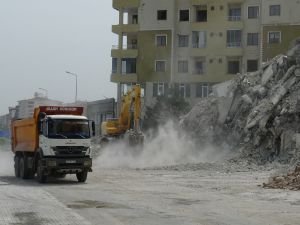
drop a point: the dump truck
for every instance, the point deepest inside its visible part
(56, 141)
(127, 125)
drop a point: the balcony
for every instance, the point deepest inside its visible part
(118, 4)
(200, 52)
(234, 18)
(200, 2)
(234, 50)
(124, 78)
(125, 28)
(128, 51)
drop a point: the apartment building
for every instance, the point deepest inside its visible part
(25, 108)
(280, 26)
(187, 45)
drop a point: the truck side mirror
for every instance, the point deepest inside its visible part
(93, 128)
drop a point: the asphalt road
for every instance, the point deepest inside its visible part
(198, 196)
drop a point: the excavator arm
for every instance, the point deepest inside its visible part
(128, 124)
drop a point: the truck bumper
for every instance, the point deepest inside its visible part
(70, 165)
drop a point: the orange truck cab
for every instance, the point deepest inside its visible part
(56, 141)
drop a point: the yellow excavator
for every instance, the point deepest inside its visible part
(127, 126)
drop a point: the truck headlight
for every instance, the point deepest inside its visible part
(51, 163)
(87, 163)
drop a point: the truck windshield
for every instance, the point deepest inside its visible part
(68, 128)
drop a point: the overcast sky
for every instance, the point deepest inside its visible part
(41, 39)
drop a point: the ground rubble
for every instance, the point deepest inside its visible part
(290, 181)
(257, 113)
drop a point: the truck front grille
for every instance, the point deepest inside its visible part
(70, 151)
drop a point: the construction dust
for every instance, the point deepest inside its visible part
(6, 160)
(167, 146)
(257, 113)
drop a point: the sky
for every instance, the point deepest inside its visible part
(41, 39)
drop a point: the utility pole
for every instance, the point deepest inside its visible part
(75, 75)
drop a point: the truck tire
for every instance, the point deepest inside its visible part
(17, 166)
(25, 171)
(22, 169)
(41, 177)
(82, 176)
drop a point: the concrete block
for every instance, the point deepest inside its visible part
(267, 75)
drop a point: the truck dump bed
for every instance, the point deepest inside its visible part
(24, 135)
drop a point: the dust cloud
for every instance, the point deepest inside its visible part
(6, 161)
(168, 146)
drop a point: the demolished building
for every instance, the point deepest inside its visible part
(258, 112)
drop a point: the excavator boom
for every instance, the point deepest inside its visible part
(128, 123)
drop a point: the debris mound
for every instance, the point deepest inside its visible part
(257, 113)
(291, 181)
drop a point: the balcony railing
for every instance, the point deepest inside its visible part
(198, 71)
(234, 18)
(125, 47)
(198, 45)
(234, 44)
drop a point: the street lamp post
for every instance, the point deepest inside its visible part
(75, 75)
(46, 91)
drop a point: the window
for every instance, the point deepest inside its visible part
(134, 19)
(114, 65)
(161, 40)
(234, 13)
(201, 13)
(233, 66)
(274, 10)
(183, 41)
(160, 89)
(252, 39)
(184, 15)
(161, 14)
(234, 38)
(125, 88)
(128, 65)
(184, 90)
(203, 90)
(160, 66)
(253, 12)
(199, 64)
(181, 90)
(133, 44)
(274, 37)
(252, 65)
(183, 66)
(199, 39)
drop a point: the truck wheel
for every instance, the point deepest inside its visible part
(41, 177)
(81, 176)
(24, 170)
(17, 166)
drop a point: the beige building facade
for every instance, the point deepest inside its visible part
(190, 45)
(280, 26)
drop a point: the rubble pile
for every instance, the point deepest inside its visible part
(291, 181)
(257, 112)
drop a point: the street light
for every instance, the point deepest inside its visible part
(46, 91)
(75, 75)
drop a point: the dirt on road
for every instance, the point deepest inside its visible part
(185, 194)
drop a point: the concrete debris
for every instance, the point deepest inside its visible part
(290, 181)
(257, 112)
